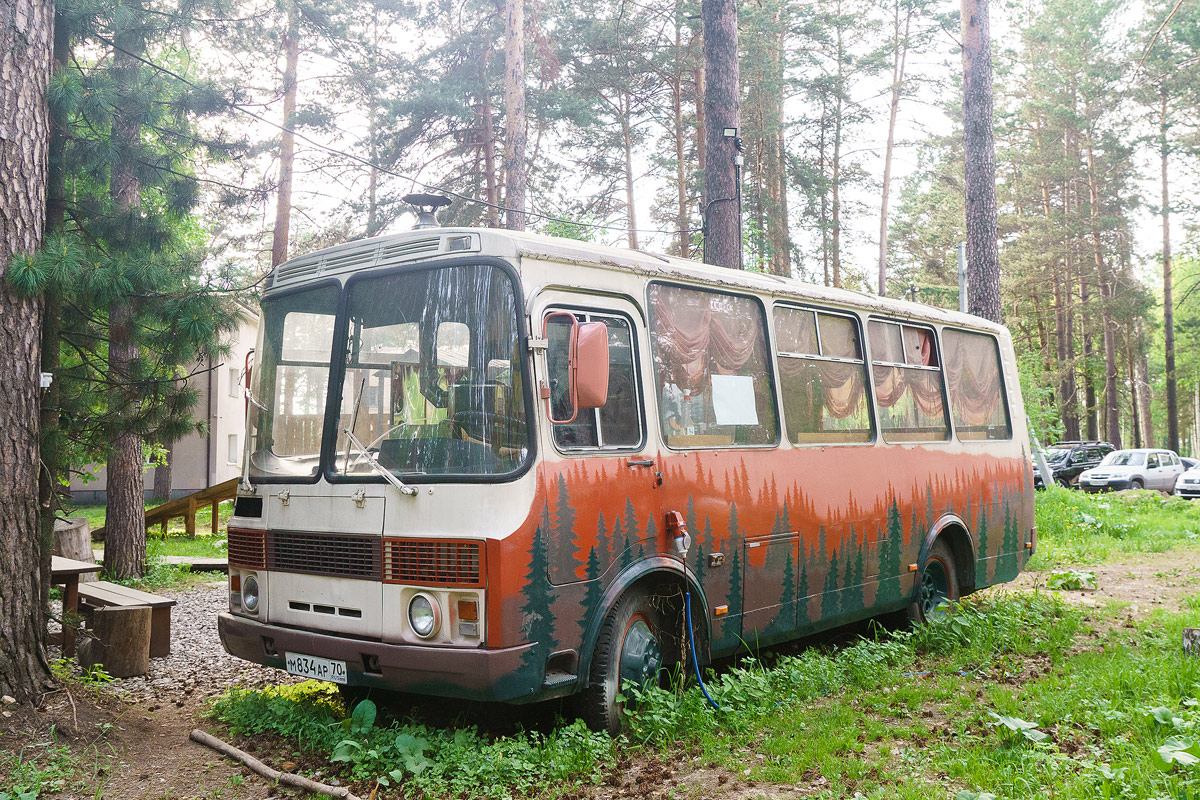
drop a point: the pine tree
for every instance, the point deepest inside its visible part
(829, 597)
(787, 615)
(889, 555)
(594, 592)
(734, 545)
(536, 612)
(802, 594)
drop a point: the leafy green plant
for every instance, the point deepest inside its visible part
(1177, 751)
(1025, 728)
(1071, 579)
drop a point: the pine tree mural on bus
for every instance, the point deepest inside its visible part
(803, 617)
(701, 554)
(537, 620)
(735, 562)
(786, 619)
(594, 593)
(981, 550)
(889, 555)
(1009, 562)
(829, 597)
(852, 586)
(649, 534)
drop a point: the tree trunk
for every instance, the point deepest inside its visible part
(125, 522)
(722, 237)
(515, 124)
(1168, 288)
(488, 138)
(50, 477)
(162, 474)
(681, 183)
(701, 90)
(1112, 398)
(26, 31)
(983, 250)
(899, 57)
(1144, 394)
(835, 239)
(623, 104)
(287, 140)
(778, 234)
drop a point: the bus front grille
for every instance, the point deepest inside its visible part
(324, 554)
(247, 548)
(427, 561)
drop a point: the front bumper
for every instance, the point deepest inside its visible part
(1110, 485)
(1191, 490)
(467, 673)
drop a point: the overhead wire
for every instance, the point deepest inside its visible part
(386, 170)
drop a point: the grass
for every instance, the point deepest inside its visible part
(1075, 528)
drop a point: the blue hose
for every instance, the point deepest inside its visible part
(687, 602)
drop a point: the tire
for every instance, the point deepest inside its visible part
(1064, 483)
(937, 586)
(1137, 483)
(629, 648)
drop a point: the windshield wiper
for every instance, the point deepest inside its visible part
(387, 474)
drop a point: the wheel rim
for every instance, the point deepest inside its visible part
(935, 590)
(641, 655)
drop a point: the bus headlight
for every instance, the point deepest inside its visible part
(423, 615)
(250, 594)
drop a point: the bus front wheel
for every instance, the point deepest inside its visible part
(628, 650)
(938, 587)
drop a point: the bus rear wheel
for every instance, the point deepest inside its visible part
(628, 650)
(938, 586)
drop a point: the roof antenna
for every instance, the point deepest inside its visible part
(427, 206)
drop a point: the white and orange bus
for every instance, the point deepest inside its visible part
(489, 465)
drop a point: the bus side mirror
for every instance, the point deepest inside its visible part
(591, 377)
(577, 363)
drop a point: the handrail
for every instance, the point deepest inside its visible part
(186, 507)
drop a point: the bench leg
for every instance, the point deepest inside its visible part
(160, 633)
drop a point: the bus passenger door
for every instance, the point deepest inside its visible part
(599, 483)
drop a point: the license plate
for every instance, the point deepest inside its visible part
(323, 669)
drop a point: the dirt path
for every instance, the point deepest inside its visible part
(131, 739)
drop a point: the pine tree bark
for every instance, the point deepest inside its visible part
(983, 249)
(627, 146)
(515, 123)
(680, 136)
(722, 109)
(1112, 398)
(1168, 287)
(1142, 380)
(287, 139)
(162, 474)
(26, 33)
(488, 138)
(125, 521)
(899, 59)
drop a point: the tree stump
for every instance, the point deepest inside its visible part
(119, 641)
(73, 539)
(1191, 641)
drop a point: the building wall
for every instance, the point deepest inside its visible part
(200, 461)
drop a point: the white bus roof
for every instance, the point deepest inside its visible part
(409, 246)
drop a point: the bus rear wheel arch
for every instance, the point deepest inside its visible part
(938, 585)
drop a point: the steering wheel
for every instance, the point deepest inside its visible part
(479, 424)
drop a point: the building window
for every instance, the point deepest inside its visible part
(235, 379)
(235, 455)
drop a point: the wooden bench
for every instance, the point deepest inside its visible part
(99, 594)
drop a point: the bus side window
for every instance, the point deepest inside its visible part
(908, 383)
(712, 368)
(976, 384)
(616, 425)
(823, 377)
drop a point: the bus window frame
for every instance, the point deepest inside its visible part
(640, 403)
(865, 363)
(950, 436)
(337, 327)
(332, 414)
(768, 339)
(1004, 394)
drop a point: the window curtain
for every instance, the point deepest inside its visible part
(973, 377)
(699, 334)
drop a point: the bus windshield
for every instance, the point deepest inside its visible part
(430, 383)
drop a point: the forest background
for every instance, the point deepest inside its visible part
(851, 122)
(198, 143)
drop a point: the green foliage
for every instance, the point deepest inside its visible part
(460, 763)
(1071, 579)
(1079, 528)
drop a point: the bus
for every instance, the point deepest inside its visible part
(498, 466)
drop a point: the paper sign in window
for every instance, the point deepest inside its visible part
(733, 400)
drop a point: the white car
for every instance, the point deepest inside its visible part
(1134, 469)
(1188, 484)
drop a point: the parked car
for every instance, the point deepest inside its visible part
(1188, 484)
(1134, 469)
(1067, 460)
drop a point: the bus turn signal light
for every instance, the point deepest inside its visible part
(468, 610)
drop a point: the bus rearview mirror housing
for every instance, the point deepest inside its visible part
(586, 365)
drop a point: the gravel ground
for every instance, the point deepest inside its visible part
(198, 667)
